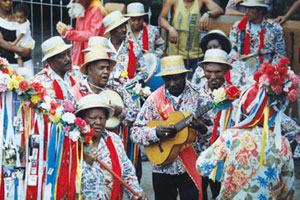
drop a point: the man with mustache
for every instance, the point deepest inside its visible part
(57, 76)
(129, 57)
(177, 94)
(89, 15)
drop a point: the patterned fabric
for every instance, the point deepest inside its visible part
(121, 56)
(97, 183)
(156, 43)
(189, 101)
(129, 111)
(242, 177)
(240, 8)
(47, 75)
(274, 45)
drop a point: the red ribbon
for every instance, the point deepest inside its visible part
(131, 68)
(215, 129)
(116, 167)
(145, 38)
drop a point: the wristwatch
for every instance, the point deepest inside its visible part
(209, 13)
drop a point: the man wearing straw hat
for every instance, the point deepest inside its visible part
(57, 76)
(177, 94)
(146, 36)
(89, 15)
(97, 182)
(129, 57)
(258, 35)
(98, 42)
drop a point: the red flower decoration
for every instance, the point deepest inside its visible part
(39, 88)
(80, 122)
(5, 70)
(24, 85)
(232, 92)
(277, 88)
(89, 136)
(293, 94)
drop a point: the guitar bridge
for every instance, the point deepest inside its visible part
(160, 147)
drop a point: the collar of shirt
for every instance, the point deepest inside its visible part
(176, 100)
(64, 83)
(113, 47)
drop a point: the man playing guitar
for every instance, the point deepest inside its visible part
(177, 94)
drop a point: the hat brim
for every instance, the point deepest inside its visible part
(229, 66)
(103, 49)
(172, 72)
(211, 36)
(254, 5)
(136, 14)
(125, 19)
(108, 108)
(65, 47)
(112, 63)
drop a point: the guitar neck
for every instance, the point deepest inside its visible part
(201, 111)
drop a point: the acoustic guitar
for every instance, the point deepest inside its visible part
(167, 150)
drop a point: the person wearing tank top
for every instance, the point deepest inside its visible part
(186, 26)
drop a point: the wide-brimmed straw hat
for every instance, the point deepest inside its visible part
(96, 55)
(113, 20)
(220, 36)
(216, 56)
(54, 46)
(171, 65)
(93, 101)
(254, 3)
(98, 42)
(135, 10)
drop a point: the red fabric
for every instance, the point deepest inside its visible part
(131, 68)
(189, 157)
(261, 44)
(58, 91)
(2, 191)
(145, 38)
(227, 77)
(215, 129)
(116, 167)
(72, 187)
(76, 92)
(72, 81)
(160, 102)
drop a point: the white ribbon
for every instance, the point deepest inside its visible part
(40, 121)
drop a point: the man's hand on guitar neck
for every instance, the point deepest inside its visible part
(198, 124)
(165, 131)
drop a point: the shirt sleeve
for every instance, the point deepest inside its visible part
(141, 66)
(24, 27)
(159, 44)
(279, 44)
(233, 36)
(141, 134)
(95, 25)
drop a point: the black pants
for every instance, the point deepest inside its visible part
(214, 187)
(166, 187)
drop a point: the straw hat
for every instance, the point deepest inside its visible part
(135, 10)
(53, 46)
(95, 55)
(98, 42)
(172, 65)
(219, 35)
(216, 56)
(254, 3)
(113, 20)
(93, 101)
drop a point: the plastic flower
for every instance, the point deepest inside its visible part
(232, 92)
(23, 85)
(146, 91)
(69, 107)
(80, 122)
(88, 137)
(67, 129)
(5, 70)
(54, 118)
(293, 94)
(3, 88)
(74, 135)
(35, 98)
(12, 84)
(18, 78)
(117, 74)
(137, 88)
(124, 74)
(46, 106)
(219, 95)
(68, 117)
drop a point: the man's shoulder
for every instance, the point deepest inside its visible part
(271, 24)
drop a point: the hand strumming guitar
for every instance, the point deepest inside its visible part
(163, 132)
(198, 124)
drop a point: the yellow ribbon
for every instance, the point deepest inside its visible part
(60, 156)
(79, 168)
(21, 106)
(264, 135)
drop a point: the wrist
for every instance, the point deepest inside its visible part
(208, 13)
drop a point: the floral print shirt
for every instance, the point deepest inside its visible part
(242, 176)
(189, 101)
(97, 182)
(156, 43)
(274, 45)
(129, 111)
(122, 58)
(47, 75)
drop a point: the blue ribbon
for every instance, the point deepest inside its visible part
(16, 188)
(51, 154)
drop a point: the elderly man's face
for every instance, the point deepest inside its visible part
(214, 73)
(61, 62)
(175, 84)
(120, 32)
(96, 118)
(99, 72)
(136, 23)
(254, 15)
